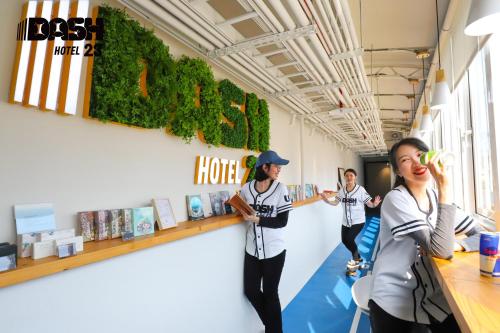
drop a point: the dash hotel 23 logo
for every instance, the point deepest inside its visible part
(73, 29)
(53, 37)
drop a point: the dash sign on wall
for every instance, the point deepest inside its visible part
(52, 39)
(213, 170)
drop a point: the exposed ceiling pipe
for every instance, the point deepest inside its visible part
(258, 5)
(186, 30)
(303, 21)
(359, 61)
(361, 103)
(181, 16)
(236, 56)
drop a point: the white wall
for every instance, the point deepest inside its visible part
(192, 285)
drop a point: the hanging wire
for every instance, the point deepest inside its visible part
(423, 80)
(360, 24)
(437, 29)
(413, 104)
(371, 68)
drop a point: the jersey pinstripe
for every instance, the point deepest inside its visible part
(262, 242)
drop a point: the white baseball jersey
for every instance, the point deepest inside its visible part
(404, 284)
(265, 242)
(353, 203)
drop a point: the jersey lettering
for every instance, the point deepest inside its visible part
(263, 210)
(350, 201)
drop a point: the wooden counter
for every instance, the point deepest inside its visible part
(474, 299)
(29, 269)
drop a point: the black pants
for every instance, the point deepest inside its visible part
(382, 322)
(266, 302)
(349, 235)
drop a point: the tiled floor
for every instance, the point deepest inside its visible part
(325, 303)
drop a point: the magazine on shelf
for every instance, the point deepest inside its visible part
(8, 258)
(86, 222)
(102, 227)
(216, 203)
(224, 198)
(194, 207)
(238, 203)
(127, 226)
(309, 191)
(164, 215)
(115, 223)
(207, 205)
(143, 221)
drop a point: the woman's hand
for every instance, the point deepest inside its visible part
(251, 218)
(376, 201)
(457, 247)
(323, 196)
(437, 171)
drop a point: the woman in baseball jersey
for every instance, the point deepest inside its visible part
(415, 221)
(353, 198)
(265, 245)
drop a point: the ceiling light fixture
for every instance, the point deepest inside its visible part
(415, 132)
(484, 18)
(426, 120)
(441, 93)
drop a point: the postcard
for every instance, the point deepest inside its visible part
(34, 218)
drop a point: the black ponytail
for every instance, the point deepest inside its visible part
(417, 143)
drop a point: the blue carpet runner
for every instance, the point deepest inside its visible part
(324, 304)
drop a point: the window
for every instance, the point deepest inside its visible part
(481, 140)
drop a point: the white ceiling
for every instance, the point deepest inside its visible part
(392, 24)
(383, 116)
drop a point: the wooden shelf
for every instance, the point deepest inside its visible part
(29, 269)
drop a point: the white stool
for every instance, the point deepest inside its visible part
(361, 293)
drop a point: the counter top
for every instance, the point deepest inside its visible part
(473, 298)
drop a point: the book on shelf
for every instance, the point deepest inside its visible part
(115, 222)
(143, 221)
(25, 244)
(292, 192)
(164, 215)
(66, 250)
(238, 203)
(224, 197)
(77, 240)
(34, 218)
(194, 207)
(8, 259)
(86, 222)
(309, 191)
(216, 203)
(102, 227)
(127, 226)
(207, 205)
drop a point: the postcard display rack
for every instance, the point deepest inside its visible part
(94, 251)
